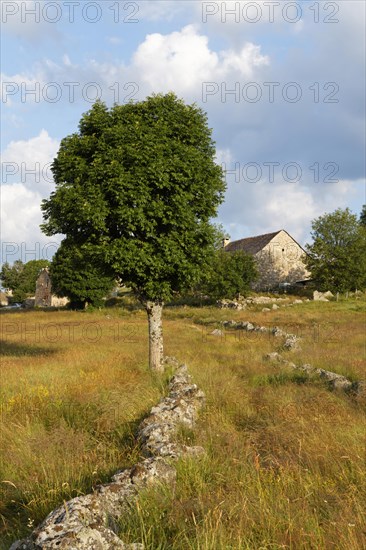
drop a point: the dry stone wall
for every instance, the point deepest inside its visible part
(292, 342)
(90, 522)
(336, 381)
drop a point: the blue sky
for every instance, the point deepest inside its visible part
(283, 84)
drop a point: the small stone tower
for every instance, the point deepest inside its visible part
(43, 296)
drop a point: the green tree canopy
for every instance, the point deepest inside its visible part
(230, 274)
(337, 256)
(76, 274)
(363, 216)
(137, 186)
(21, 277)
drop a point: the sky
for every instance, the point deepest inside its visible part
(282, 83)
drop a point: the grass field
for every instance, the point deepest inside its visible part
(285, 462)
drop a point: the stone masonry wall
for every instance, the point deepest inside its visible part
(280, 261)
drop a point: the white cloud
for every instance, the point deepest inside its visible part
(28, 162)
(182, 61)
(20, 218)
(20, 212)
(27, 179)
(17, 85)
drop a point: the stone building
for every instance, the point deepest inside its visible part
(4, 299)
(43, 296)
(279, 258)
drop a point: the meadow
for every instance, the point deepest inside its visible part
(285, 456)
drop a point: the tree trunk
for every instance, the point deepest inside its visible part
(154, 313)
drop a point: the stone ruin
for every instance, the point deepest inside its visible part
(43, 296)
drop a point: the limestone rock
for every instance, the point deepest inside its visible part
(217, 332)
(322, 296)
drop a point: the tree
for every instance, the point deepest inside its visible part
(21, 278)
(363, 216)
(136, 186)
(75, 274)
(230, 274)
(337, 256)
(11, 275)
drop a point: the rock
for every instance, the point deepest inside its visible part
(291, 342)
(337, 381)
(232, 304)
(262, 300)
(276, 331)
(266, 309)
(275, 306)
(217, 332)
(231, 323)
(297, 302)
(322, 296)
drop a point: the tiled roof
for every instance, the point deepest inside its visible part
(251, 245)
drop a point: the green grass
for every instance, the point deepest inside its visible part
(285, 461)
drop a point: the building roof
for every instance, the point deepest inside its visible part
(251, 245)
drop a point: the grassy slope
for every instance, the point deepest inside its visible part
(285, 466)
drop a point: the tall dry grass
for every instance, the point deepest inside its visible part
(285, 461)
(74, 387)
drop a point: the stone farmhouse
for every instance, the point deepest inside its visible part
(279, 259)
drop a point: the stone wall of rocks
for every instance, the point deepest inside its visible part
(336, 381)
(292, 342)
(90, 522)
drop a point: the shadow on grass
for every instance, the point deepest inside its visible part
(10, 349)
